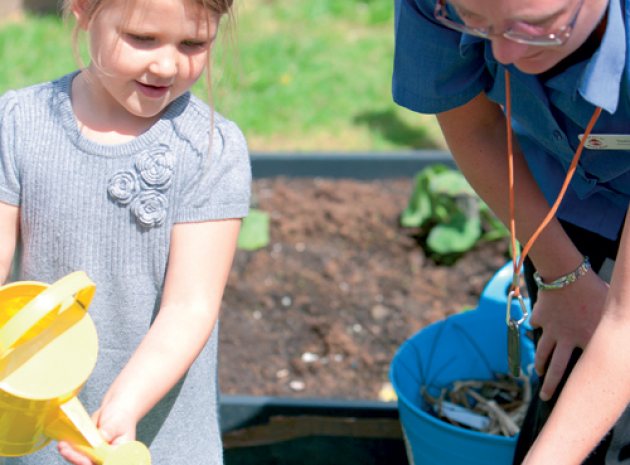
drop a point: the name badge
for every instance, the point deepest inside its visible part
(607, 141)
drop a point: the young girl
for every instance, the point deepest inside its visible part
(119, 171)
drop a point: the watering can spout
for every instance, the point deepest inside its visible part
(48, 348)
(74, 425)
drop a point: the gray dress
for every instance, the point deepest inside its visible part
(109, 210)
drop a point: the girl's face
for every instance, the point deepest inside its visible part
(145, 54)
(555, 13)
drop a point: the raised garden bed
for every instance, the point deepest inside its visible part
(311, 322)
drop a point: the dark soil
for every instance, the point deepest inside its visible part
(321, 311)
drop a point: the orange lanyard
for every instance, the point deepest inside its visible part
(515, 288)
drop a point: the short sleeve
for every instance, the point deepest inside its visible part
(9, 177)
(221, 186)
(435, 68)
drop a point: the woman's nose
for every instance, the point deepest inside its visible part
(507, 51)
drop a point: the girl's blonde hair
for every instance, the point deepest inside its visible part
(92, 8)
(220, 8)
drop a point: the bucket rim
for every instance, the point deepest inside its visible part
(436, 421)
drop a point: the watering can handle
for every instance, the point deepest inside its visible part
(76, 286)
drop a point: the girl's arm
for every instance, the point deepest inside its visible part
(598, 390)
(198, 268)
(476, 135)
(9, 226)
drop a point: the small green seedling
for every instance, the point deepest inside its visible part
(450, 215)
(254, 232)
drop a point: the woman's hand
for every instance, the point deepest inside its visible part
(568, 317)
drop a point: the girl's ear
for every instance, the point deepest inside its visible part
(80, 11)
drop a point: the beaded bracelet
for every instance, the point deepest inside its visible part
(563, 281)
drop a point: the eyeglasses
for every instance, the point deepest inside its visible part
(519, 31)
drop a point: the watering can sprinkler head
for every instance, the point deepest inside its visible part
(73, 424)
(48, 349)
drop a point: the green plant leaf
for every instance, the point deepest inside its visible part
(457, 236)
(451, 183)
(443, 208)
(254, 232)
(414, 216)
(452, 217)
(418, 210)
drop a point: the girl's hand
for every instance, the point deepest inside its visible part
(71, 455)
(568, 318)
(116, 425)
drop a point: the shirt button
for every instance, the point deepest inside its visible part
(557, 135)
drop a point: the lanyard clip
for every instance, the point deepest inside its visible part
(513, 325)
(515, 294)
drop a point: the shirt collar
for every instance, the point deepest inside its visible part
(600, 82)
(467, 40)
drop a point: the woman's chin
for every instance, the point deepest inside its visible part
(536, 64)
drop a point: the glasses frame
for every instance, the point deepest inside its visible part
(552, 39)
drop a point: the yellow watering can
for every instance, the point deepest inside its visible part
(48, 348)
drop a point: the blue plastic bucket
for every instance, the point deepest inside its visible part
(466, 346)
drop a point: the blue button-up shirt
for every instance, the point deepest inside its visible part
(437, 69)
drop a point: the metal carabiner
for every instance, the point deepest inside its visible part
(513, 332)
(508, 314)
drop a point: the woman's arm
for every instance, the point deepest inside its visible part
(476, 135)
(198, 268)
(9, 227)
(598, 390)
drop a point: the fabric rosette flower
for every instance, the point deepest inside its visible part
(156, 167)
(149, 208)
(123, 186)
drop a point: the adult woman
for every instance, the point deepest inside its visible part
(563, 60)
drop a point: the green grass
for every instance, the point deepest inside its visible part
(33, 50)
(299, 76)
